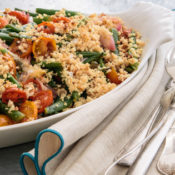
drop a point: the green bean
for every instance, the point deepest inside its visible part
(56, 67)
(133, 37)
(13, 80)
(82, 22)
(90, 59)
(14, 114)
(69, 37)
(17, 35)
(52, 12)
(6, 37)
(54, 108)
(59, 44)
(70, 13)
(84, 94)
(5, 30)
(132, 67)
(75, 96)
(115, 36)
(30, 13)
(13, 28)
(38, 20)
(101, 62)
(89, 54)
(53, 66)
(3, 51)
(68, 102)
(52, 83)
(46, 11)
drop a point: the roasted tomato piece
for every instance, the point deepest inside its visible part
(47, 27)
(30, 110)
(14, 94)
(45, 98)
(64, 19)
(3, 22)
(126, 32)
(113, 76)
(37, 84)
(12, 65)
(23, 48)
(21, 16)
(43, 46)
(5, 120)
(35, 81)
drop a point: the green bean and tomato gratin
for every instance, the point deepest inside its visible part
(54, 60)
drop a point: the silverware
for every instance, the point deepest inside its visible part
(165, 101)
(166, 162)
(145, 159)
(145, 130)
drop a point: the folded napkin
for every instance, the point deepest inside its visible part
(87, 141)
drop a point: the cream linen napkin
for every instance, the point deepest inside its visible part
(95, 158)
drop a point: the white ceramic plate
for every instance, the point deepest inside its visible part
(155, 24)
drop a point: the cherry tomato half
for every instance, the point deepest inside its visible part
(43, 46)
(46, 99)
(3, 22)
(5, 120)
(113, 76)
(47, 27)
(64, 19)
(35, 82)
(14, 94)
(30, 110)
(21, 16)
(13, 65)
(27, 50)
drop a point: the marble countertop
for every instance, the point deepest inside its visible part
(90, 6)
(9, 157)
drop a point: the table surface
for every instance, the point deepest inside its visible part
(9, 157)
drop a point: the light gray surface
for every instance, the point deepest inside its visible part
(9, 157)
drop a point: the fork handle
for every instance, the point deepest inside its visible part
(146, 157)
(141, 135)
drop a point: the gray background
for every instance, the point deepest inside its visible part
(9, 157)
